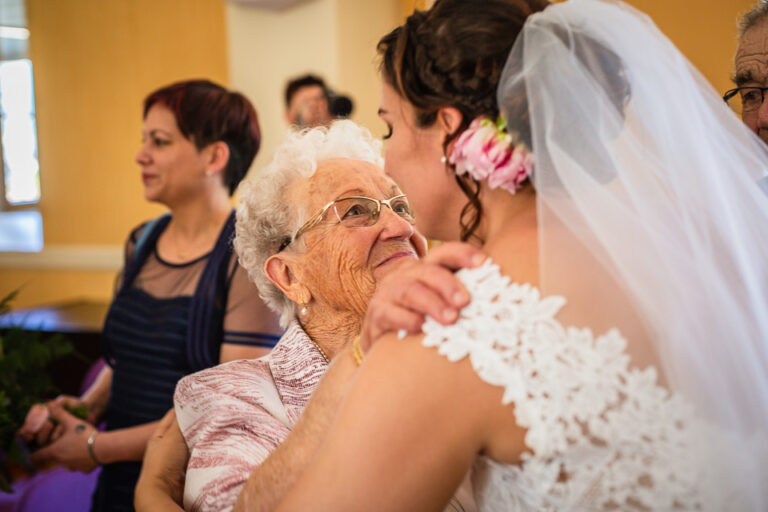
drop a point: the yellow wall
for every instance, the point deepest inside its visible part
(268, 47)
(361, 25)
(94, 61)
(54, 286)
(704, 30)
(408, 6)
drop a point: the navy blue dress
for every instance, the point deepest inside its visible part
(151, 341)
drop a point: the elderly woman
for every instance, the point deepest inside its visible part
(183, 302)
(317, 230)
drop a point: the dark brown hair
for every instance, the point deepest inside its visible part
(206, 113)
(452, 56)
(308, 80)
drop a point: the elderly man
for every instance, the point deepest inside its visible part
(751, 73)
(309, 103)
(306, 102)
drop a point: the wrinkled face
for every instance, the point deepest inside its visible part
(413, 159)
(172, 168)
(342, 265)
(752, 70)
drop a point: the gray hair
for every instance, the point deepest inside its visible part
(266, 217)
(753, 16)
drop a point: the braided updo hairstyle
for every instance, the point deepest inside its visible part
(452, 56)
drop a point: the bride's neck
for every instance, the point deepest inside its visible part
(509, 228)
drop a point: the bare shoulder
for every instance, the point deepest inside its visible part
(422, 366)
(450, 392)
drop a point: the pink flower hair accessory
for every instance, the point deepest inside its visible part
(486, 151)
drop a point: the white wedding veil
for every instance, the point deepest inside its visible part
(650, 214)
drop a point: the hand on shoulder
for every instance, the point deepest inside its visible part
(426, 287)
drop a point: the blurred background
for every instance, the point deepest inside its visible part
(71, 190)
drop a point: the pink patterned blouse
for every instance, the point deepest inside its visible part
(235, 414)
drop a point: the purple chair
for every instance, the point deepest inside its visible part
(58, 489)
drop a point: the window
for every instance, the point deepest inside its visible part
(20, 225)
(21, 172)
(19, 133)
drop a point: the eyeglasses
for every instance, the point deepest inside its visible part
(355, 212)
(751, 98)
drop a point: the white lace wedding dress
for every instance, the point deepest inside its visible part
(602, 435)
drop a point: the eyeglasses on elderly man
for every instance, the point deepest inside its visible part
(745, 99)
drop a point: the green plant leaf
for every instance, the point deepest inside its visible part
(24, 381)
(5, 302)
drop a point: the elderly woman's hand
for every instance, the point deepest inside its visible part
(161, 482)
(425, 287)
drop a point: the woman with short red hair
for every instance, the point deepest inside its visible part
(183, 302)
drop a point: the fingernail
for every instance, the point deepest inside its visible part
(478, 258)
(449, 315)
(402, 333)
(460, 298)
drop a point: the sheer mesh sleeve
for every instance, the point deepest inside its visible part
(248, 321)
(130, 245)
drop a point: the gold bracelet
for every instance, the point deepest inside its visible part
(357, 351)
(91, 452)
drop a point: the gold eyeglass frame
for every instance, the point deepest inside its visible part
(315, 219)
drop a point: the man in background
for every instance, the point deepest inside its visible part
(309, 103)
(306, 102)
(751, 74)
(751, 70)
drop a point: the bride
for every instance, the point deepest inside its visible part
(614, 355)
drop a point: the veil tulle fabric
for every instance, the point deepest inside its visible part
(650, 214)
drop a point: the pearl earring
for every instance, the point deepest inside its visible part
(303, 310)
(443, 159)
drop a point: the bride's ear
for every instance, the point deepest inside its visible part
(449, 119)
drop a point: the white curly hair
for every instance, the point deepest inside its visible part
(266, 218)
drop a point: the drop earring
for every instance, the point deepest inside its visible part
(303, 310)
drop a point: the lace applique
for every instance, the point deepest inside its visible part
(603, 436)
